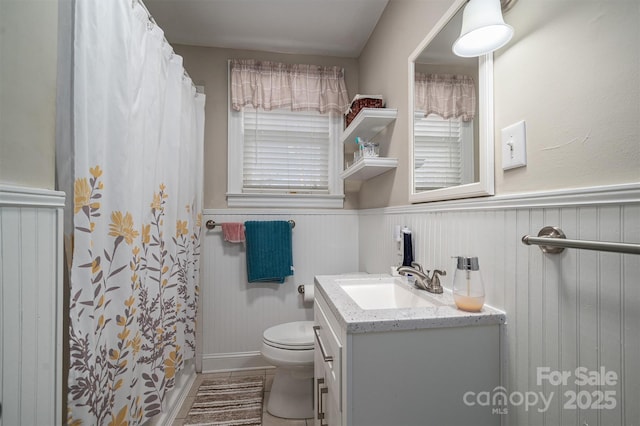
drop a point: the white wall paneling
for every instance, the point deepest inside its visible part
(577, 309)
(234, 312)
(31, 301)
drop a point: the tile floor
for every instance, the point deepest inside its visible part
(267, 419)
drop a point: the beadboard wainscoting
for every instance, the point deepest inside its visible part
(576, 309)
(31, 306)
(234, 313)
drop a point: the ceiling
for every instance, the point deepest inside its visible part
(315, 27)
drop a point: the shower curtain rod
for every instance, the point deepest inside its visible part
(153, 21)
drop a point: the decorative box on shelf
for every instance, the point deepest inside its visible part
(362, 101)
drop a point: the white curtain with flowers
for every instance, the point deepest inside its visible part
(137, 185)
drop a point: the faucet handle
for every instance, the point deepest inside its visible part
(436, 278)
(434, 285)
(417, 266)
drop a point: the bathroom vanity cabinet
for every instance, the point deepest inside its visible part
(384, 373)
(327, 369)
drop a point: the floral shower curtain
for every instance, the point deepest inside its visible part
(137, 185)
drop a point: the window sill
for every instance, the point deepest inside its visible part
(286, 200)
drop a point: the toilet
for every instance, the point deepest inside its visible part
(289, 347)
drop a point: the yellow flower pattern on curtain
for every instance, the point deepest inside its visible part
(135, 344)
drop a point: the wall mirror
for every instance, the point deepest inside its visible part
(450, 157)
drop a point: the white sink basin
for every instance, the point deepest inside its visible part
(385, 293)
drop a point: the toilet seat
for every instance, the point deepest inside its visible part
(293, 336)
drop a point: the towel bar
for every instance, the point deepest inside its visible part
(211, 224)
(552, 240)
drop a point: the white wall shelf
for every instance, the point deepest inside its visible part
(368, 123)
(368, 167)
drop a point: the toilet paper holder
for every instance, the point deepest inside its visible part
(308, 294)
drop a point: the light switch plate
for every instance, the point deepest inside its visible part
(514, 146)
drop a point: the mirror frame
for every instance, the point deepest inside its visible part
(486, 181)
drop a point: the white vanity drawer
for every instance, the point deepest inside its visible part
(330, 348)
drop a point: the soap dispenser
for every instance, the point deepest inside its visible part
(468, 290)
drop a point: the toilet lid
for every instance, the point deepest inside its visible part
(292, 335)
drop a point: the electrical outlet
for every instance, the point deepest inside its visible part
(514, 146)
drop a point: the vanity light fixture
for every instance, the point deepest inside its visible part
(483, 28)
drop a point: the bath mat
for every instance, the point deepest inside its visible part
(228, 401)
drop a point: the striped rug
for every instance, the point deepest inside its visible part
(228, 401)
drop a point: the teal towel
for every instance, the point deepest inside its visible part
(269, 256)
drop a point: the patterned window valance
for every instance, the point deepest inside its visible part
(272, 85)
(446, 95)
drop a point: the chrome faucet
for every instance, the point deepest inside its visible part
(423, 281)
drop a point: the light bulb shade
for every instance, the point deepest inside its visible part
(483, 29)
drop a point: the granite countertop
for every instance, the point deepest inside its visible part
(357, 320)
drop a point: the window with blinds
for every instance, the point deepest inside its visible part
(285, 150)
(443, 152)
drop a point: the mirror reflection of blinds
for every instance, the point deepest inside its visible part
(437, 152)
(285, 150)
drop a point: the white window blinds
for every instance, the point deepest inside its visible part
(285, 150)
(442, 149)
